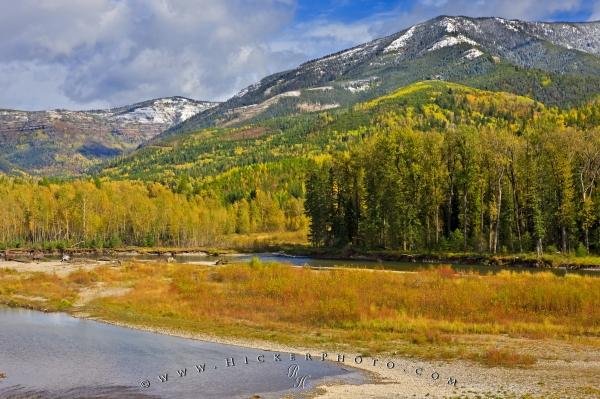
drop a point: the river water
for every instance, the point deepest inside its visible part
(59, 356)
(353, 263)
(204, 259)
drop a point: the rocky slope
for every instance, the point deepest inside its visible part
(61, 141)
(557, 63)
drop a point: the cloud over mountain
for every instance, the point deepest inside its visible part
(105, 52)
(98, 53)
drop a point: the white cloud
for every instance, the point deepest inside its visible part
(119, 51)
(29, 85)
(596, 12)
(82, 54)
(318, 38)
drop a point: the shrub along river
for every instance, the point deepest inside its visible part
(395, 265)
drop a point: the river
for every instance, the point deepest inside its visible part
(58, 356)
(353, 263)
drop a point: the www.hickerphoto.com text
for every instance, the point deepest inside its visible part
(294, 370)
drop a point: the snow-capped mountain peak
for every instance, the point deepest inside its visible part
(72, 140)
(167, 111)
(446, 47)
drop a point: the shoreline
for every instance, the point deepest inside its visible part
(377, 380)
(571, 367)
(410, 377)
(526, 261)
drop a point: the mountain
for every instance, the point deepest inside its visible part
(556, 63)
(271, 152)
(61, 141)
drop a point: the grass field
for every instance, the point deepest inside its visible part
(426, 314)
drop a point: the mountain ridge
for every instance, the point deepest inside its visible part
(556, 63)
(211, 153)
(118, 107)
(66, 141)
(436, 48)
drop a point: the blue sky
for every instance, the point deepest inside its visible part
(99, 53)
(345, 11)
(349, 11)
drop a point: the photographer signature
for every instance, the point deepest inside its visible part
(299, 380)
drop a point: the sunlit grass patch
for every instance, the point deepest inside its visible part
(37, 290)
(423, 314)
(541, 304)
(506, 358)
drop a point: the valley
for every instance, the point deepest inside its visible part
(431, 197)
(468, 156)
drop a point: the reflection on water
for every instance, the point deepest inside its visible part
(110, 392)
(58, 356)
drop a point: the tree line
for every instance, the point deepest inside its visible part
(430, 166)
(512, 187)
(99, 213)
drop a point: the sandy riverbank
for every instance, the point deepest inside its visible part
(54, 266)
(568, 371)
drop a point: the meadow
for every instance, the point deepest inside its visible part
(434, 313)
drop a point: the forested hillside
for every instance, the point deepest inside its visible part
(432, 166)
(469, 172)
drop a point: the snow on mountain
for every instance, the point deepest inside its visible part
(472, 54)
(581, 36)
(42, 141)
(356, 86)
(400, 42)
(448, 41)
(518, 42)
(446, 47)
(135, 122)
(498, 35)
(170, 111)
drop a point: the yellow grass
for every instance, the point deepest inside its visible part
(507, 358)
(423, 313)
(37, 290)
